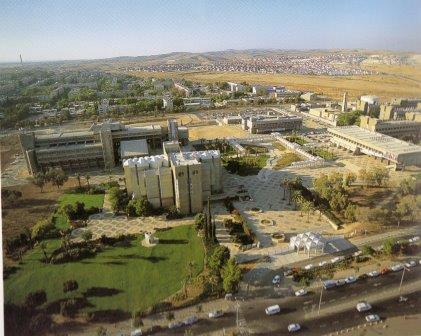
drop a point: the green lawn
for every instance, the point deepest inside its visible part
(141, 276)
(246, 165)
(323, 153)
(95, 200)
(90, 200)
(286, 160)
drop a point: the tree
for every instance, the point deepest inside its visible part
(70, 286)
(389, 246)
(365, 176)
(101, 331)
(350, 212)
(406, 207)
(78, 177)
(231, 276)
(35, 299)
(87, 178)
(368, 250)
(43, 247)
(87, 236)
(139, 207)
(219, 257)
(39, 180)
(200, 221)
(56, 176)
(349, 178)
(284, 185)
(118, 199)
(407, 186)
(380, 175)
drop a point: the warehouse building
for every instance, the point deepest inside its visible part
(181, 179)
(359, 140)
(96, 148)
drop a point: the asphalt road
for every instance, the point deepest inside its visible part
(303, 310)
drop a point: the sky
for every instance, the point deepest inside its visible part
(88, 29)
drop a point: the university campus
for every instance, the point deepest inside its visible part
(249, 191)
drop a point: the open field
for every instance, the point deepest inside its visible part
(393, 81)
(90, 200)
(212, 132)
(129, 271)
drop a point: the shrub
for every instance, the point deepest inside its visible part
(42, 229)
(70, 285)
(173, 213)
(219, 257)
(137, 319)
(69, 307)
(73, 254)
(40, 323)
(36, 299)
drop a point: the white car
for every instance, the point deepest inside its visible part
(293, 327)
(137, 332)
(215, 314)
(301, 292)
(322, 263)
(358, 253)
(397, 268)
(272, 310)
(363, 306)
(373, 274)
(308, 267)
(175, 324)
(350, 279)
(276, 279)
(410, 264)
(372, 318)
(190, 320)
(336, 259)
(414, 239)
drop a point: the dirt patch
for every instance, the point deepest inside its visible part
(212, 132)
(31, 207)
(9, 146)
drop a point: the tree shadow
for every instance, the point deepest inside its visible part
(101, 291)
(109, 316)
(81, 302)
(173, 241)
(152, 259)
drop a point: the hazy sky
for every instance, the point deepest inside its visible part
(79, 29)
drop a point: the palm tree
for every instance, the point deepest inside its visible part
(78, 176)
(88, 177)
(43, 246)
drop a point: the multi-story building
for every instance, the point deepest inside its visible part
(368, 104)
(94, 148)
(359, 140)
(167, 103)
(271, 123)
(181, 179)
(197, 102)
(401, 129)
(235, 87)
(325, 114)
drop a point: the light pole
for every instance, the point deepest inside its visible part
(403, 274)
(321, 294)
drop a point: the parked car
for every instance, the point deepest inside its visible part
(358, 253)
(350, 279)
(272, 310)
(373, 274)
(301, 292)
(384, 271)
(137, 332)
(175, 324)
(329, 284)
(402, 299)
(340, 282)
(276, 280)
(397, 268)
(372, 318)
(322, 263)
(362, 276)
(363, 306)
(216, 314)
(410, 264)
(190, 320)
(308, 267)
(414, 239)
(293, 327)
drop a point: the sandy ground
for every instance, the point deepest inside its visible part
(212, 132)
(394, 326)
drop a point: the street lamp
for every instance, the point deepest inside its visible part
(403, 274)
(321, 294)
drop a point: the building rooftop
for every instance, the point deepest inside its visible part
(187, 158)
(378, 141)
(133, 148)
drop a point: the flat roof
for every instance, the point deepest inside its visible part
(382, 143)
(133, 148)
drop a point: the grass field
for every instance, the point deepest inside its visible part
(286, 160)
(393, 81)
(135, 277)
(246, 165)
(90, 200)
